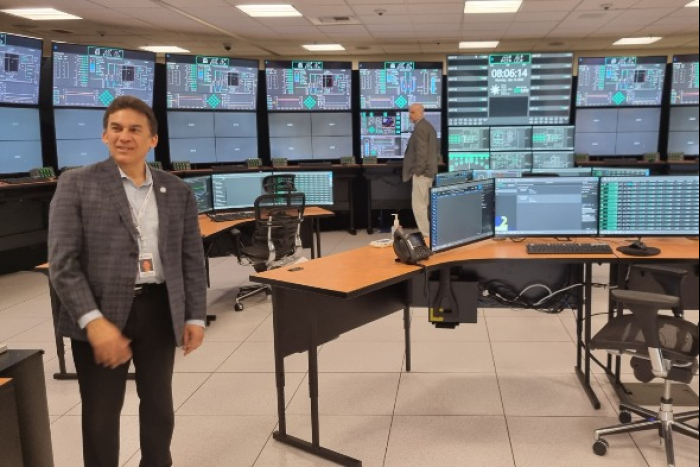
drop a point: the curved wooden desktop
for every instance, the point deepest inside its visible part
(317, 301)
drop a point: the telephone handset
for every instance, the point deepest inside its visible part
(410, 248)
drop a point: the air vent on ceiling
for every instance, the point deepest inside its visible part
(592, 16)
(62, 31)
(335, 21)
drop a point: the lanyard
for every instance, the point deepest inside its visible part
(137, 217)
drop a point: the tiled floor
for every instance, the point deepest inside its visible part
(498, 393)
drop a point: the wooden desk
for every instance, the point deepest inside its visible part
(318, 301)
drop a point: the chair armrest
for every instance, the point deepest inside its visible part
(669, 278)
(659, 271)
(645, 308)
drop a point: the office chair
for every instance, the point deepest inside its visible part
(275, 241)
(661, 347)
(669, 278)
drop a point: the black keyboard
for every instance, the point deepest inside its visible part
(21, 180)
(231, 216)
(569, 249)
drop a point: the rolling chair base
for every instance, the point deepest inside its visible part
(249, 291)
(664, 421)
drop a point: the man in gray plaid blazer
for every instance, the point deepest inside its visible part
(127, 262)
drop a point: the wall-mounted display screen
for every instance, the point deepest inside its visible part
(686, 80)
(509, 89)
(398, 85)
(620, 81)
(93, 76)
(308, 85)
(20, 69)
(211, 83)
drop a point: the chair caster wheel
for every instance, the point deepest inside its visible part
(625, 417)
(600, 447)
(238, 307)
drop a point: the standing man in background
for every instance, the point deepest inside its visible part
(421, 165)
(127, 262)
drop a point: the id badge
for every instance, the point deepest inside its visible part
(146, 265)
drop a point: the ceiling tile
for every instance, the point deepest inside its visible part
(551, 5)
(454, 8)
(541, 16)
(596, 5)
(389, 9)
(489, 18)
(384, 20)
(437, 19)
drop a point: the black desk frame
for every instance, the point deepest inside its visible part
(305, 318)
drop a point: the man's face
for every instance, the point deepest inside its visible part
(415, 113)
(128, 137)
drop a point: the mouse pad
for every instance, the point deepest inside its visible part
(648, 251)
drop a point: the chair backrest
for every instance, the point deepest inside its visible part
(278, 221)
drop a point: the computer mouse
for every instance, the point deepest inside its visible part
(637, 245)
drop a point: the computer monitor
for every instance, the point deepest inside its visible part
(553, 160)
(684, 85)
(469, 161)
(553, 138)
(20, 124)
(511, 160)
(19, 156)
(93, 76)
(211, 83)
(293, 149)
(235, 125)
(619, 172)
(596, 120)
(201, 186)
(649, 206)
(469, 139)
(80, 152)
(189, 124)
(486, 174)
(78, 123)
(20, 69)
(461, 214)
(685, 119)
(515, 138)
(547, 207)
(398, 85)
(236, 149)
(236, 191)
(331, 147)
(317, 186)
(308, 86)
(571, 172)
(636, 144)
(452, 178)
(331, 124)
(289, 125)
(195, 150)
(638, 120)
(685, 142)
(596, 144)
(382, 147)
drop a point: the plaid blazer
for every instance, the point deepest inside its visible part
(93, 249)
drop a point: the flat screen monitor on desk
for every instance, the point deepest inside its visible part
(493, 173)
(649, 206)
(546, 207)
(461, 214)
(453, 178)
(316, 186)
(572, 172)
(620, 172)
(236, 191)
(201, 186)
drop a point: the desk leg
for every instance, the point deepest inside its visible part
(407, 329)
(60, 345)
(351, 201)
(370, 229)
(317, 225)
(585, 376)
(315, 446)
